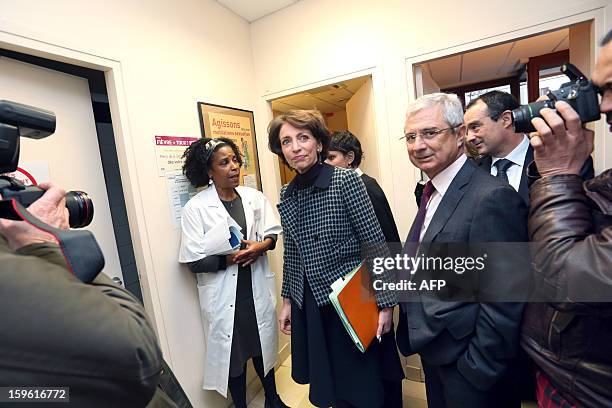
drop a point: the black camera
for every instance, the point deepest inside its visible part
(579, 93)
(22, 120)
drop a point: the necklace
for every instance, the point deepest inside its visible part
(231, 202)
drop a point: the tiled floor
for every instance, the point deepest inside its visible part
(296, 395)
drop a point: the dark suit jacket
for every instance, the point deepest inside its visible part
(381, 208)
(480, 338)
(587, 172)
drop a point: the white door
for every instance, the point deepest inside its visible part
(71, 154)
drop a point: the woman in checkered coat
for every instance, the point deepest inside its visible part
(327, 218)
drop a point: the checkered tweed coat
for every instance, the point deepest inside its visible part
(325, 226)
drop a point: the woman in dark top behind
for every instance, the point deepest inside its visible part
(327, 220)
(345, 151)
(237, 291)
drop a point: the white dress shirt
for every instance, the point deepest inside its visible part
(516, 156)
(441, 182)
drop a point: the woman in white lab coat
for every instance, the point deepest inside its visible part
(237, 291)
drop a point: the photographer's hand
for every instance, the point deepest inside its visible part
(50, 209)
(561, 145)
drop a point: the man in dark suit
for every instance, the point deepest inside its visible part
(465, 347)
(504, 153)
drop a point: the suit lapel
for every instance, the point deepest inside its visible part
(450, 201)
(524, 186)
(485, 163)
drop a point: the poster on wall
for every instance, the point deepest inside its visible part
(239, 126)
(169, 152)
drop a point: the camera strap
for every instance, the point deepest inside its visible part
(80, 248)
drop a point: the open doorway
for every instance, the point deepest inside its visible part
(526, 67)
(345, 105)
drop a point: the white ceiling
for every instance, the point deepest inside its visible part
(252, 10)
(495, 62)
(327, 99)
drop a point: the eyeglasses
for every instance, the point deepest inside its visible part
(426, 134)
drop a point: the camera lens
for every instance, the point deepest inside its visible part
(80, 209)
(521, 116)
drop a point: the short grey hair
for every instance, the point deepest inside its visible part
(452, 108)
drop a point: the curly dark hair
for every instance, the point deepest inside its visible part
(300, 119)
(197, 159)
(344, 142)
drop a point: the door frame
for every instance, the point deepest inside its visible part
(596, 15)
(113, 73)
(380, 110)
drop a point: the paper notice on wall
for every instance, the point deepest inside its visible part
(250, 181)
(31, 173)
(169, 152)
(180, 191)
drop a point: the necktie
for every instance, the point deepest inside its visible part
(412, 242)
(417, 224)
(502, 167)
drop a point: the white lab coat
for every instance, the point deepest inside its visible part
(217, 291)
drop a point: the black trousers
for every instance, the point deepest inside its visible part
(447, 388)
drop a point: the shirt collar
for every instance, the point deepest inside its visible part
(444, 179)
(322, 181)
(516, 156)
(358, 171)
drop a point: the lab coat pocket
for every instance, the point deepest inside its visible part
(207, 292)
(271, 283)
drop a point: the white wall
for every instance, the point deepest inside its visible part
(171, 55)
(315, 41)
(361, 118)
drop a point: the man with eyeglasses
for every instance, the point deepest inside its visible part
(504, 153)
(465, 346)
(569, 335)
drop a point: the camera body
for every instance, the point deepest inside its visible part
(579, 93)
(17, 120)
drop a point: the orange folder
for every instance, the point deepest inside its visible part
(356, 305)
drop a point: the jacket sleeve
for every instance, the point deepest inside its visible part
(571, 259)
(271, 227)
(501, 219)
(289, 252)
(94, 338)
(382, 210)
(367, 230)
